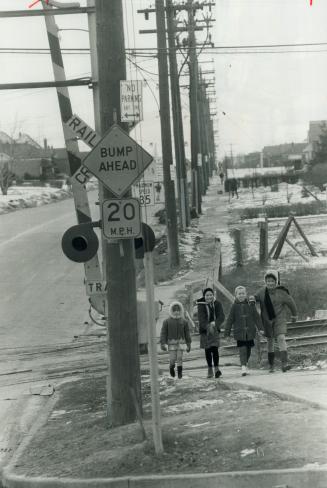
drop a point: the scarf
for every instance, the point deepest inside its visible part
(211, 312)
(269, 306)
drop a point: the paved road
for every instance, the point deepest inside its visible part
(43, 305)
(42, 297)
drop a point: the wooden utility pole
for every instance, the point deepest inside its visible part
(167, 155)
(194, 113)
(123, 354)
(183, 199)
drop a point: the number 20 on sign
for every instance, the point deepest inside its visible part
(121, 219)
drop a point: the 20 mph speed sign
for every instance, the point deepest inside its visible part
(121, 219)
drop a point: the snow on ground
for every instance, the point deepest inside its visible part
(314, 227)
(34, 196)
(263, 196)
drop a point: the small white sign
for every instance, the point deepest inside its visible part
(95, 287)
(121, 219)
(144, 191)
(131, 100)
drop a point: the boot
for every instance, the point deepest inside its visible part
(218, 373)
(210, 372)
(271, 360)
(180, 372)
(244, 370)
(285, 366)
(172, 371)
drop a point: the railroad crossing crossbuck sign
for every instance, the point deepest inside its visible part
(121, 219)
(117, 160)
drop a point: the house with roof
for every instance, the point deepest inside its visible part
(25, 157)
(316, 128)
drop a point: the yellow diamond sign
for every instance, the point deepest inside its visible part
(117, 160)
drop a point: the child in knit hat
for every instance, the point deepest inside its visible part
(176, 334)
(274, 301)
(245, 321)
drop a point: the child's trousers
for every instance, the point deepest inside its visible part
(281, 341)
(176, 356)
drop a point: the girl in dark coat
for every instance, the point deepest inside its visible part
(210, 316)
(245, 320)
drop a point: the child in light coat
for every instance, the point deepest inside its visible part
(245, 321)
(176, 334)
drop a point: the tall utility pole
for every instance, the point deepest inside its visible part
(194, 113)
(124, 380)
(167, 155)
(183, 198)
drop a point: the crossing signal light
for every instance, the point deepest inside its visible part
(145, 243)
(80, 243)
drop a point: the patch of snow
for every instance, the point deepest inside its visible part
(194, 426)
(191, 406)
(247, 452)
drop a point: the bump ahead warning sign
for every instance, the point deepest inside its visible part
(117, 160)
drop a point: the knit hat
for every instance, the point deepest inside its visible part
(240, 287)
(272, 273)
(207, 289)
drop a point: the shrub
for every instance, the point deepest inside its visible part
(277, 211)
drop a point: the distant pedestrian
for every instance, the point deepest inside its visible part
(221, 176)
(274, 301)
(210, 316)
(245, 321)
(176, 334)
(233, 187)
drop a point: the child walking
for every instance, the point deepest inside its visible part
(274, 301)
(210, 316)
(176, 334)
(245, 320)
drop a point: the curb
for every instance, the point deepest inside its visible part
(287, 478)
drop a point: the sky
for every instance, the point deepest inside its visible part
(262, 98)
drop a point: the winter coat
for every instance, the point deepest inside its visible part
(244, 319)
(281, 301)
(175, 332)
(209, 336)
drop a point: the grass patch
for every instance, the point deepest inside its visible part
(214, 428)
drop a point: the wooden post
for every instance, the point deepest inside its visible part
(167, 155)
(153, 356)
(123, 350)
(263, 246)
(238, 246)
(296, 250)
(304, 237)
(279, 242)
(217, 260)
